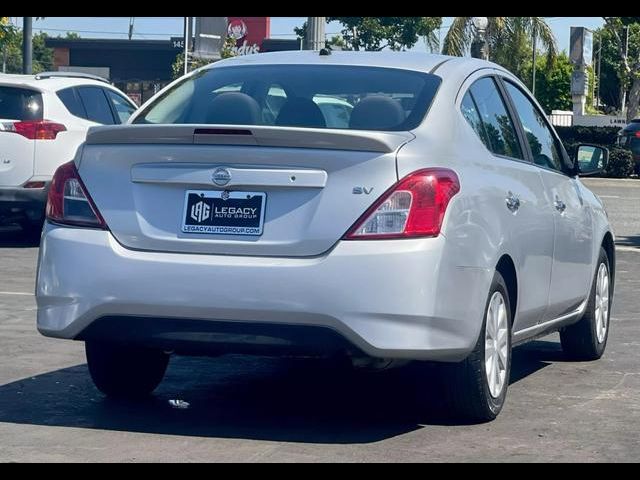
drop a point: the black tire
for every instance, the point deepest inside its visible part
(580, 340)
(468, 393)
(125, 372)
(32, 230)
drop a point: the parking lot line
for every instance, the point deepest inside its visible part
(17, 293)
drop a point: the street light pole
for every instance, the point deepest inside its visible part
(27, 45)
(187, 37)
(479, 45)
(533, 68)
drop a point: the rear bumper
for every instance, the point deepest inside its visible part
(18, 203)
(388, 299)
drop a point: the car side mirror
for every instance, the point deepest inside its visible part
(591, 160)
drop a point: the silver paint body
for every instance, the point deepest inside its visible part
(413, 299)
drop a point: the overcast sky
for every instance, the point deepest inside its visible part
(281, 27)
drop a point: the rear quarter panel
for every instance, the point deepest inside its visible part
(478, 228)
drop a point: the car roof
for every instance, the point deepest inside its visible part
(52, 84)
(416, 61)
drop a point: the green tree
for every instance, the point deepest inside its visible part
(625, 62)
(509, 40)
(177, 68)
(553, 83)
(5, 29)
(378, 33)
(42, 56)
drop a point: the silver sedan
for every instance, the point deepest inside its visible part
(386, 207)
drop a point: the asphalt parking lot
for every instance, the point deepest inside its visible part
(255, 409)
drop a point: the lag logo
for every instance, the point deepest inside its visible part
(200, 211)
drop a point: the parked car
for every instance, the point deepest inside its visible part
(629, 137)
(43, 120)
(444, 227)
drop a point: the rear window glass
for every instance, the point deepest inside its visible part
(306, 96)
(96, 105)
(20, 104)
(70, 98)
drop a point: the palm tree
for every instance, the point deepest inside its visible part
(509, 40)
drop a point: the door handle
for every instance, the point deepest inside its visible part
(513, 202)
(560, 205)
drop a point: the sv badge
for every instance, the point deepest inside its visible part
(362, 190)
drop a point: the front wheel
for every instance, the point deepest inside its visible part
(477, 386)
(123, 371)
(587, 339)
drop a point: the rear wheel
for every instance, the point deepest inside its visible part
(32, 229)
(122, 371)
(477, 386)
(587, 339)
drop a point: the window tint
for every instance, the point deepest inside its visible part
(96, 105)
(123, 108)
(72, 102)
(20, 104)
(498, 126)
(541, 140)
(372, 98)
(470, 113)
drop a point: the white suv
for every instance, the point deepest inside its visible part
(43, 120)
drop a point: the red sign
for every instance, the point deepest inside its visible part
(248, 32)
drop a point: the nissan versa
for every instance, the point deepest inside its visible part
(439, 219)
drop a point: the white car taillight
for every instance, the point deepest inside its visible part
(414, 207)
(69, 202)
(34, 129)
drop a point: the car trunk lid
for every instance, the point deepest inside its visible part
(139, 177)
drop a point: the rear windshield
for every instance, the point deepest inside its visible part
(20, 104)
(307, 96)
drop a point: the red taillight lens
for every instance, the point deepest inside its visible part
(36, 185)
(637, 134)
(69, 202)
(414, 207)
(38, 130)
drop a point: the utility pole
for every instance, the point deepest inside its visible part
(131, 20)
(315, 33)
(598, 79)
(533, 68)
(27, 45)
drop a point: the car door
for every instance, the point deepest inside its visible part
(573, 251)
(511, 189)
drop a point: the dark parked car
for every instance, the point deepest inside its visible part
(629, 137)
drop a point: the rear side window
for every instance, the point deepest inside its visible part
(470, 113)
(69, 97)
(20, 104)
(541, 140)
(122, 107)
(96, 105)
(304, 96)
(501, 137)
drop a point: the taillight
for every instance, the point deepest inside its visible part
(637, 134)
(69, 202)
(34, 185)
(413, 207)
(35, 129)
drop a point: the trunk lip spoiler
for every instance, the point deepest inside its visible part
(249, 135)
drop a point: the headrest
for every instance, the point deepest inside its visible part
(377, 112)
